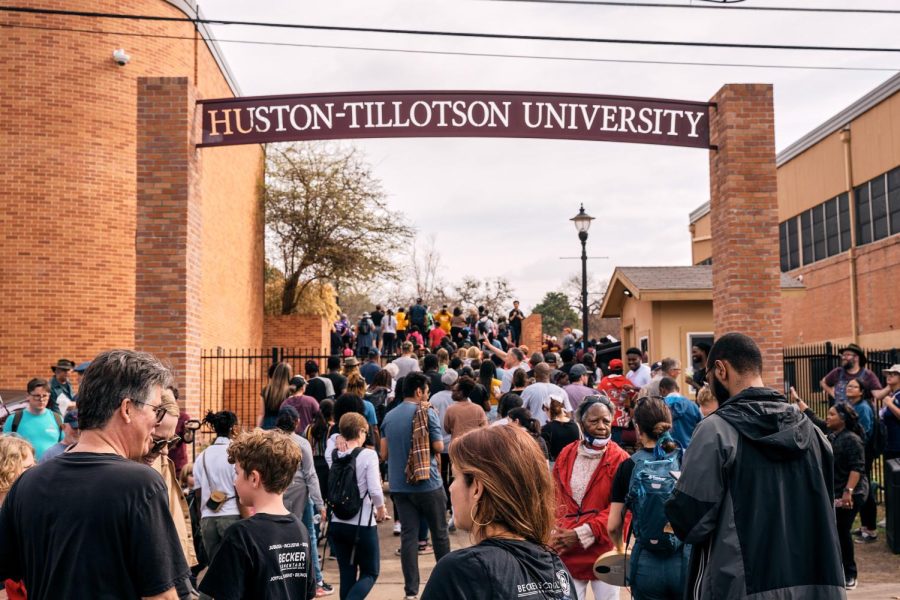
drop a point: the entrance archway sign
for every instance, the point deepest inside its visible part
(266, 119)
(737, 125)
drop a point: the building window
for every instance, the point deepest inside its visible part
(863, 215)
(878, 202)
(789, 245)
(844, 221)
(893, 180)
(806, 234)
(832, 233)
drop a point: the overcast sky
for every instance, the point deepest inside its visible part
(501, 206)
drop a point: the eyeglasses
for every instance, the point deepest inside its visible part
(39, 396)
(158, 410)
(157, 445)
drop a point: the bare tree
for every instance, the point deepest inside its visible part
(327, 219)
(595, 289)
(494, 295)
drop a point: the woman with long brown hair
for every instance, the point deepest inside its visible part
(502, 494)
(274, 394)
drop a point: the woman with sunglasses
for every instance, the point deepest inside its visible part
(163, 440)
(583, 473)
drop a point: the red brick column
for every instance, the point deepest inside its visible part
(744, 218)
(167, 320)
(532, 332)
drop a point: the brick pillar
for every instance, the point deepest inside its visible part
(532, 332)
(744, 218)
(168, 236)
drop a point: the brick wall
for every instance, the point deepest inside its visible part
(744, 220)
(68, 190)
(311, 333)
(822, 313)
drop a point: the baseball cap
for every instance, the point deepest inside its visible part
(449, 377)
(577, 371)
(550, 358)
(298, 381)
(615, 363)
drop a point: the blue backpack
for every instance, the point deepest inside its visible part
(652, 483)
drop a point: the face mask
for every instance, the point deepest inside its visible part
(720, 391)
(596, 443)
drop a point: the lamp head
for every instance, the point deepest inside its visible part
(582, 220)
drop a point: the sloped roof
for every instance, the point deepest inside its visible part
(662, 284)
(698, 277)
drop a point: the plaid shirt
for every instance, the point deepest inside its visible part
(418, 465)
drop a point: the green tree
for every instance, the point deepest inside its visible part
(327, 220)
(555, 312)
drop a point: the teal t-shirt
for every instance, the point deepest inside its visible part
(40, 430)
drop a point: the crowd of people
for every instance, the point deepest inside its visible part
(552, 464)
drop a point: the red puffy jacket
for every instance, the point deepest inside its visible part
(594, 507)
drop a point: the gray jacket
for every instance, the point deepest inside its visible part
(755, 499)
(305, 484)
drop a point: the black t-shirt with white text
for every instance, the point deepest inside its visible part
(89, 525)
(500, 569)
(265, 556)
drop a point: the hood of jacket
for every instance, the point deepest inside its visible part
(764, 418)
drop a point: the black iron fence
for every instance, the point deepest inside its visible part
(806, 366)
(233, 379)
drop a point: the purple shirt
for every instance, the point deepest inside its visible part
(307, 407)
(577, 393)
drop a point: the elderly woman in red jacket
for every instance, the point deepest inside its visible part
(583, 473)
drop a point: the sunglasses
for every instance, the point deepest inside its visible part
(157, 445)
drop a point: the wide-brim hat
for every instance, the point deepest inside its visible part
(895, 369)
(351, 361)
(64, 364)
(855, 350)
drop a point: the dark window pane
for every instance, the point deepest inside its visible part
(844, 219)
(793, 244)
(833, 242)
(894, 199)
(783, 246)
(879, 208)
(806, 232)
(819, 232)
(863, 216)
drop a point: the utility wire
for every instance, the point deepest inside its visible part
(456, 34)
(720, 6)
(459, 53)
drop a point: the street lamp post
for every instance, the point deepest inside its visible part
(582, 223)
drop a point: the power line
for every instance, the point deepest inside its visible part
(721, 6)
(463, 54)
(455, 34)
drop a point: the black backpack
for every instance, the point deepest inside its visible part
(378, 398)
(17, 420)
(878, 440)
(343, 489)
(363, 327)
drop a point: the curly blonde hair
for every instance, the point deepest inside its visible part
(13, 452)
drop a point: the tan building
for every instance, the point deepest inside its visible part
(86, 216)
(839, 214)
(666, 310)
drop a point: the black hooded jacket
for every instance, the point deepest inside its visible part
(755, 498)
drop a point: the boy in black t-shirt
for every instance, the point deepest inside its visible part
(267, 555)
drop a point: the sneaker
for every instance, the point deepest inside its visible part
(866, 538)
(882, 523)
(410, 598)
(857, 532)
(426, 549)
(397, 528)
(851, 583)
(451, 526)
(323, 589)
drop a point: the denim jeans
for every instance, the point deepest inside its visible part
(213, 529)
(313, 540)
(432, 506)
(656, 577)
(358, 570)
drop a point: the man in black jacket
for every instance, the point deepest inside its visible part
(754, 495)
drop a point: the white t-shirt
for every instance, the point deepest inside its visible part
(440, 402)
(406, 365)
(507, 377)
(537, 394)
(389, 324)
(368, 477)
(214, 460)
(639, 378)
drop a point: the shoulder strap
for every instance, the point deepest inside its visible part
(17, 419)
(57, 418)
